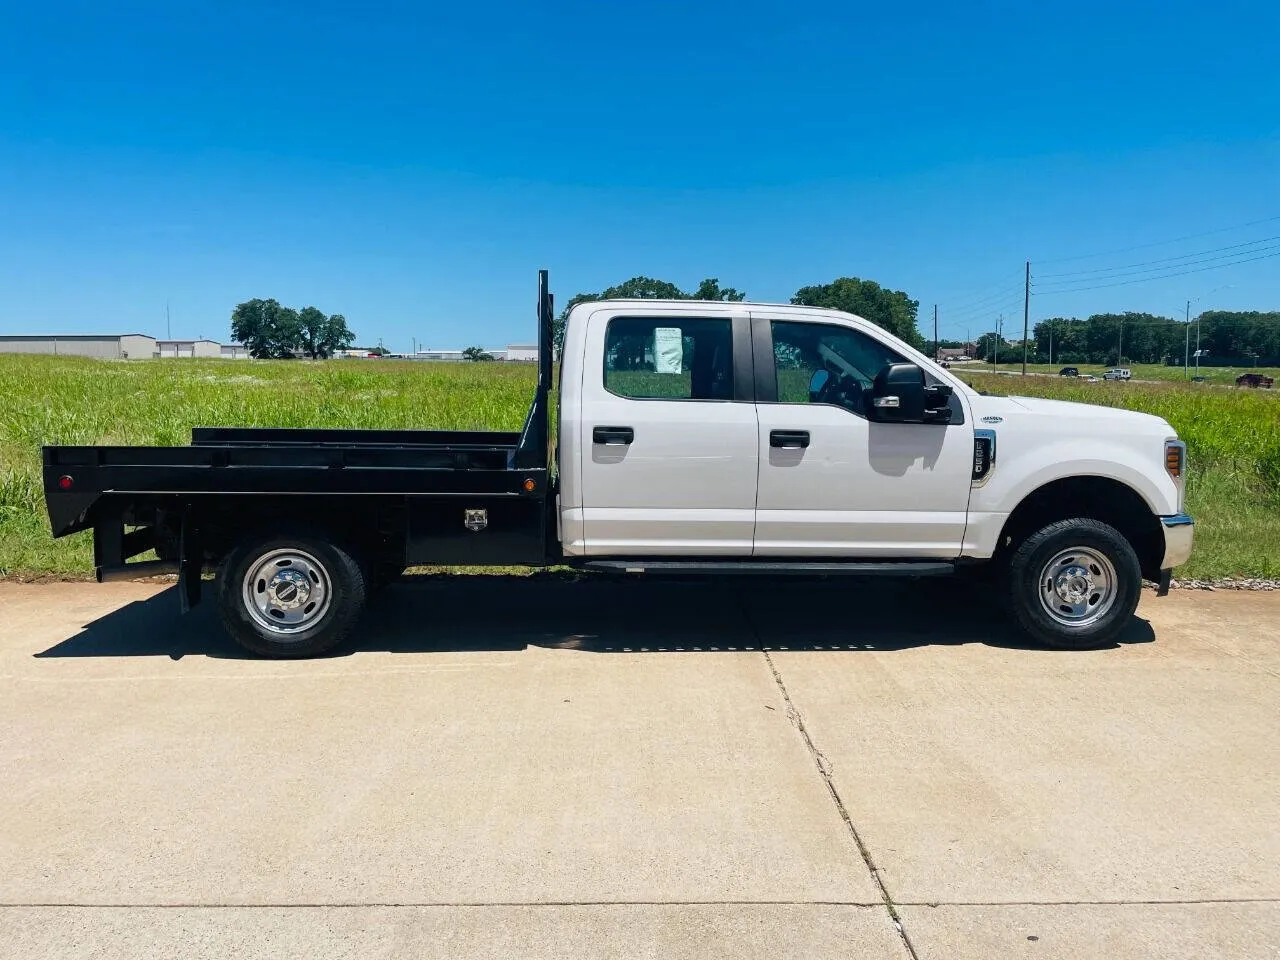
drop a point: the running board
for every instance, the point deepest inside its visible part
(857, 568)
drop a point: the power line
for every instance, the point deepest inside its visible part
(966, 303)
(1158, 243)
(1183, 256)
(952, 317)
(1166, 276)
(1065, 285)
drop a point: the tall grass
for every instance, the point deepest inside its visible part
(1233, 435)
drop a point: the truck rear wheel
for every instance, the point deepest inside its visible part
(290, 596)
(1074, 584)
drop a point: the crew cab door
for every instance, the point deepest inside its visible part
(834, 483)
(667, 437)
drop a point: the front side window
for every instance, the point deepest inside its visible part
(825, 363)
(672, 358)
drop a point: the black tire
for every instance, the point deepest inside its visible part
(1078, 621)
(326, 572)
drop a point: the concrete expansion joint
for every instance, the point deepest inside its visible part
(824, 768)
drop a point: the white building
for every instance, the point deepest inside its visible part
(189, 348)
(527, 352)
(522, 351)
(120, 346)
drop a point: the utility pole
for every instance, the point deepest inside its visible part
(1197, 345)
(1026, 317)
(999, 335)
(935, 331)
(1186, 347)
(1051, 343)
(1120, 346)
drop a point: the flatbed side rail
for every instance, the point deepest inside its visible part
(309, 436)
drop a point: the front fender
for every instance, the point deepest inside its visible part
(1019, 473)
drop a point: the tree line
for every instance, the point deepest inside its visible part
(891, 309)
(1226, 338)
(272, 331)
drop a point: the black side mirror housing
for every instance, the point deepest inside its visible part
(901, 395)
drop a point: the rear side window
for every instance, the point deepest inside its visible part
(672, 358)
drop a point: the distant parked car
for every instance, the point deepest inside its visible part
(1069, 372)
(1118, 373)
(1090, 378)
(1255, 380)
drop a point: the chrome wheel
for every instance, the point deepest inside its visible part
(1078, 586)
(287, 591)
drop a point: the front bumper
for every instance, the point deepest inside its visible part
(1179, 532)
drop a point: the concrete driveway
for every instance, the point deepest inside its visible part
(535, 768)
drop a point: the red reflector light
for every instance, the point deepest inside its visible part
(529, 485)
(65, 483)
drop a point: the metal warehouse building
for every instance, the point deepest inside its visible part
(135, 346)
(189, 348)
(124, 346)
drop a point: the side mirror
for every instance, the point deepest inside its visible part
(897, 395)
(816, 383)
(900, 395)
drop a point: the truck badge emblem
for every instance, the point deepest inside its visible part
(993, 419)
(476, 520)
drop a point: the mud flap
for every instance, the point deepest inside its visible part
(190, 564)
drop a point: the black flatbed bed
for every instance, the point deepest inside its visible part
(409, 496)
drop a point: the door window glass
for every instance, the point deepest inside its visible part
(825, 363)
(673, 358)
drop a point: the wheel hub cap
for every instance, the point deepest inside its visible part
(1078, 586)
(286, 591)
(289, 589)
(1074, 584)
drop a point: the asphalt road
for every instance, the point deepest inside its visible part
(512, 769)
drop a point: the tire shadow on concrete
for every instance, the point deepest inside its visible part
(601, 614)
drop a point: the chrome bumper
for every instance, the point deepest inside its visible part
(1179, 532)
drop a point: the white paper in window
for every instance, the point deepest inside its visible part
(668, 350)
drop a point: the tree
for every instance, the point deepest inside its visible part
(991, 346)
(891, 309)
(312, 324)
(709, 289)
(272, 331)
(337, 335)
(268, 329)
(476, 354)
(645, 288)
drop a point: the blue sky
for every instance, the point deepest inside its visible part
(412, 165)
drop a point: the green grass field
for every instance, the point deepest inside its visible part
(1233, 435)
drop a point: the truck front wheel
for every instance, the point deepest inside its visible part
(1074, 584)
(290, 596)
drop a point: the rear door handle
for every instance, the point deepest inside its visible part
(613, 436)
(796, 439)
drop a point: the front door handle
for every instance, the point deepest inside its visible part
(613, 436)
(793, 439)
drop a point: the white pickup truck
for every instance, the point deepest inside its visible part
(693, 437)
